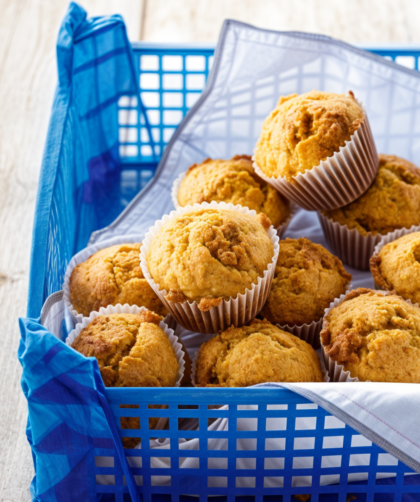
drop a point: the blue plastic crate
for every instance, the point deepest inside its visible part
(291, 446)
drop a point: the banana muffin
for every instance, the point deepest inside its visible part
(111, 276)
(375, 336)
(253, 354)
(391, 202)
(304, 130)
(210, 254)
(306, 281)
(132, 351)
(397, 267)
(233, 181)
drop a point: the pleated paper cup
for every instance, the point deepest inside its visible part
(280, 229)
(353, 248)
(335, 370)
(336, 181)
(233, 312)
(380, 282)
(194, 366)
(84, 255)
(309, 332)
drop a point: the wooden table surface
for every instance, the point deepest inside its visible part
(28, 30)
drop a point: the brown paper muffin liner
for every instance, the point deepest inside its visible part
(386, 239)
(84, 255)
(336, 181)
(233, 312)
(280, 229)
(133, 309)
(336, 371)
(353, 248)
(194, 365)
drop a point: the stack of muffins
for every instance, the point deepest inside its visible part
(215, 265)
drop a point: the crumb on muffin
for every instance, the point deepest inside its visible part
(397, 267)
(375, 336)
(256, 353)
(304, 130)
(391, 202)
(210, 254)
(232, 181)
(306, 281)
(112, 275)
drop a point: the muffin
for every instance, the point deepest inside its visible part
(304, 130)
(233, 181)
(253, 354)
(306, 281)
(111, 276)
(397, 267)
(209, 255)
(376, 337)
(132, 351)
(391, 202)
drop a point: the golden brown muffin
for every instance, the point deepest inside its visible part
(232, 181)
(376, 337)
(306, 281)
(253, 354)
(304, 130)
(209, 255)
(132, 351)
(111, 276)
(397, 267)
(391, 202)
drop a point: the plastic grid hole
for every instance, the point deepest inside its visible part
(217, 463)
(329, 442)
(160, 480)
(305, 423)
(274, 463)
(304, 443)
(407, 61)
(128, 135)
(149, 62)
(172, 63)
(246, 444)
(246, 463)
(274, 482)
(387, 459)
(246, 424)
(333, 423)
(303, 481)
(276, 424)
(272, 444)
(303, 462)
(195, 63)
(245, 482)
(104, 461)
(189, 463)
(217, 444)
(391, 477)
(359, 459)
(358, 440)
(329, 479)
(331, 461)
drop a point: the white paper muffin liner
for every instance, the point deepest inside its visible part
(392, 236)
(353, 248)
(309, 332)
(280, 229)
(235, 311)
(336, 181)
(133, 309)
(336, 371)
(194, 365)
(84, 255)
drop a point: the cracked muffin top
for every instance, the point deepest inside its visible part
(374, 336)
(253, 354)
(233, 181)
(391, 202)
(131, 350)
(397, 267)
(306, 281)
(210, 254)
(111, 276)
(304, 130)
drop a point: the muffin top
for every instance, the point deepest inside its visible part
(253, 354)
(111, 276)
(391, 202)
(397, 267)
(304, 130)
(210, 254)
(131, 350)
(374, 336)
(233, 181)
(306, 281)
